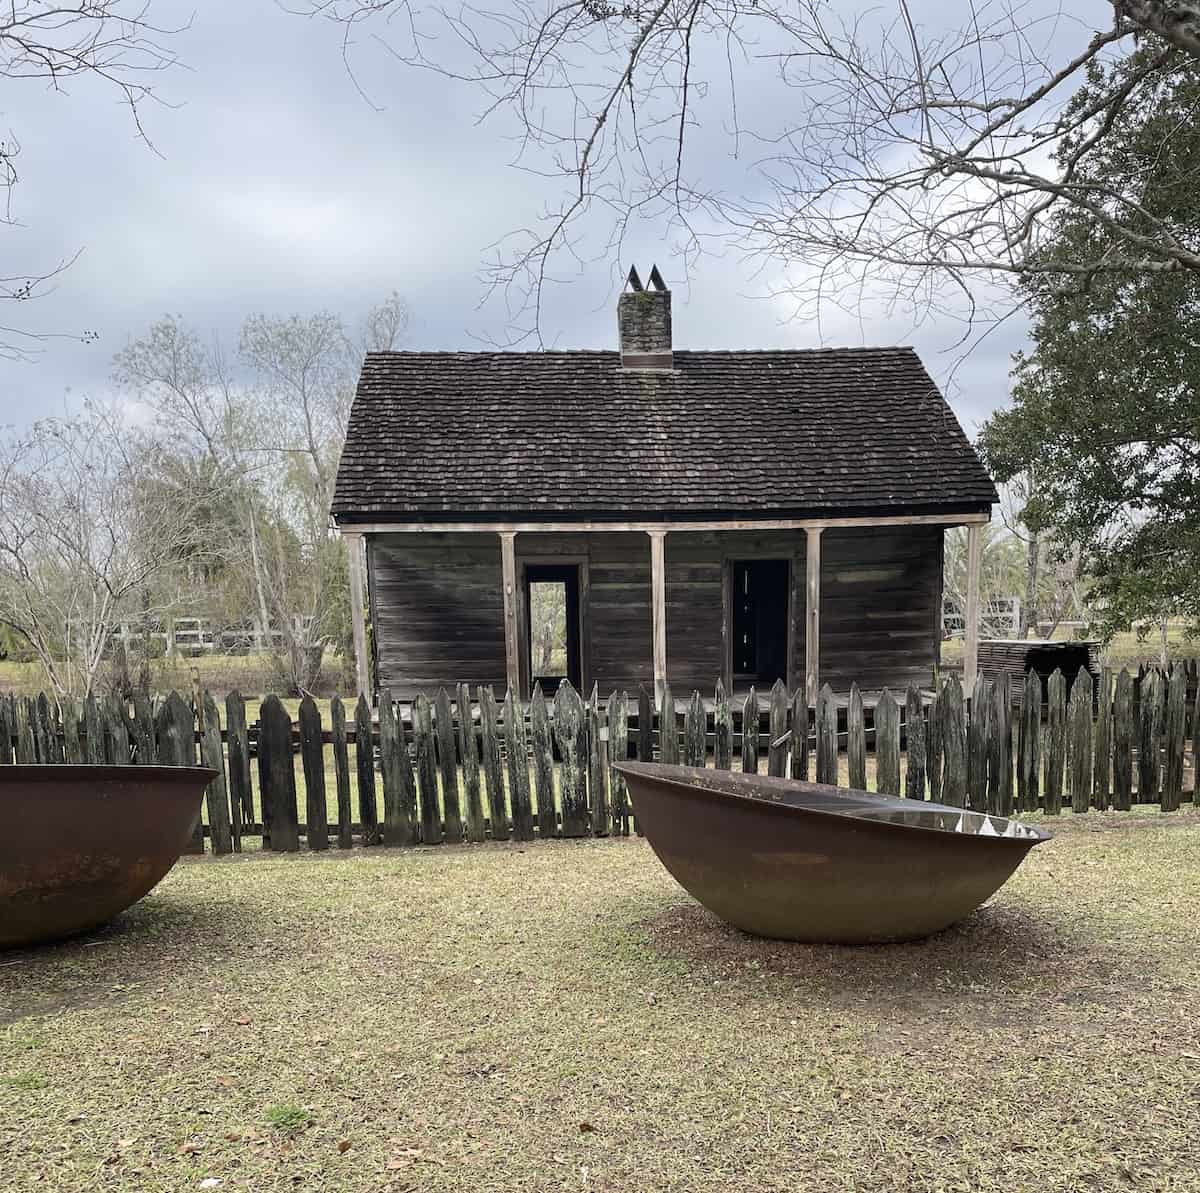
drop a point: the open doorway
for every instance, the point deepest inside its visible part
(552, 625)
(760, 621)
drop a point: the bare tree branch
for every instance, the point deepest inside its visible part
(919, 164)
(115, 42)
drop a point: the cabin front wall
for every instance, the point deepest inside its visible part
(437, 605)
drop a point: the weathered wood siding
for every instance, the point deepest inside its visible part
(617, 617)
(881, 599)
(438, 611)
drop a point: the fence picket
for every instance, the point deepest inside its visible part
(695, 726)
(933, 747)
(516, 752)
(26, 749)
(1079, 746)
(750, 734)
(493, 771)
(597, 768)
(914, 736)
(645, 739)
(39, 720)
(241, 795)
(856, 740)
(827, 742)
(1174, 732)
(777, 743)
(277, 771)
(6, 735)
(722, 729)
(1101, 784)
(977, 745)
(341, 773)
(94, 732)
(116, 733)
(645, 743)
(427, 775)
(49, 748)
(954, 744)
(395, 776)
(1002, 721)
(1029, 745)
(543, 764)
(605, 763)
(1123, 738)
(887, 744)
(800, 732)
(668, 731)
(1148, 719)
(364, 766)
(468, 751)
(217, 795)
(72, 747)
(141, 730)
(175, 737)
(570, 733)
(1056, 742)
(312, 759)
(618, 747)
(1196, 737)
(447, 757)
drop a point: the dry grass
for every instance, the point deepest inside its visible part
(563, 1017)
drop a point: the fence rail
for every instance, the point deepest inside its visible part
(453, 768)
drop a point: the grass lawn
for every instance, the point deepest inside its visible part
(563, 1017)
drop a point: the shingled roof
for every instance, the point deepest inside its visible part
(829, 432)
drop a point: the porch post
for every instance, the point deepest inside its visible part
(358, 621)
(971, 627)
(658, 605)
(812, 621)
(508, 567)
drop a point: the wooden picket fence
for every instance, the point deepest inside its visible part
(453, 769)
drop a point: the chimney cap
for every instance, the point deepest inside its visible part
(635, 283)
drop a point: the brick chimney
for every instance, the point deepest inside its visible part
(644, 323)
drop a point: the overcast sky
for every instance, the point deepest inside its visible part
(276, 187)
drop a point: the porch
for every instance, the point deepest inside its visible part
(658, 602)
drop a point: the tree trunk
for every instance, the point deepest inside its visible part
(264, 629)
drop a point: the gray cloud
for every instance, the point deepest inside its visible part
(280, 189)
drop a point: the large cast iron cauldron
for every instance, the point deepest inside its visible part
(804, 861)
(78, 844)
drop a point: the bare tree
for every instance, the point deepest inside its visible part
(270, 423)
(918, 161)
(81, 541)
(199, 411)
(113, 42)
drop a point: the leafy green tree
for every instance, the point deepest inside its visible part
(1106, 406)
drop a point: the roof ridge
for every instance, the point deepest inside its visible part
(548, 352)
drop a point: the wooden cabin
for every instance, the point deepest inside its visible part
(744, 514)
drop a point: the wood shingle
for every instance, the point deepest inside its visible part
(827, 432)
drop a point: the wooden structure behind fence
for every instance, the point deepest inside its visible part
(464, 766)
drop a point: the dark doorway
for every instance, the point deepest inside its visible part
(760, 620)
(552, 625)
